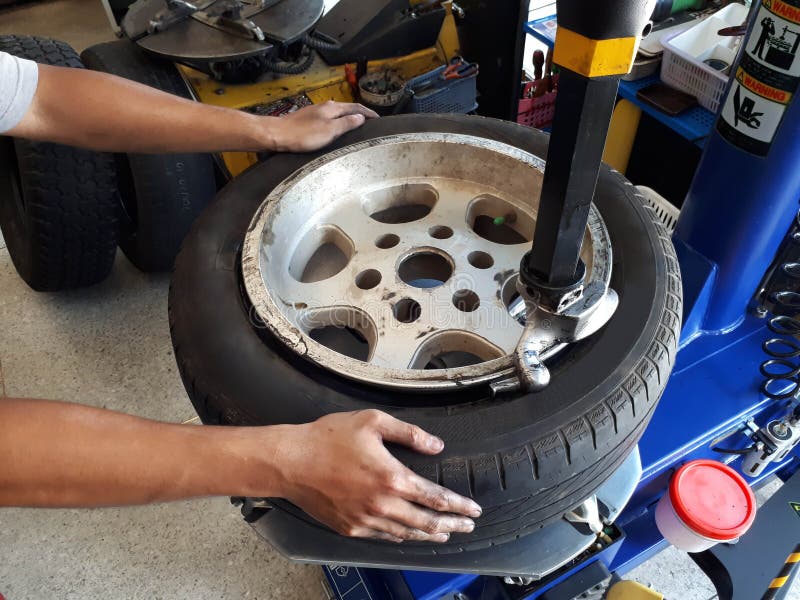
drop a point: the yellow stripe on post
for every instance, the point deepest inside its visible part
(593, 58)
(793, 558)
(778, 582)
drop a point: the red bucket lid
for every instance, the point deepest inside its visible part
(712, 499)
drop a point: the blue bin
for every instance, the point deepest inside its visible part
(444, 96)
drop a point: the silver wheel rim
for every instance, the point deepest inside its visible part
(320, 257)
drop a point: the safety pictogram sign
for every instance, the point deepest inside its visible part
(766, 80)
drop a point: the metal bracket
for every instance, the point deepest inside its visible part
(234, 25)
(589, 310)
(773, 443)
(252, 508)
(174, 12)
(230, 16)
(587, 513)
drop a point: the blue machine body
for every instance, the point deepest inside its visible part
(735, 217)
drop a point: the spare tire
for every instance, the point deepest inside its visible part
(162, 194)
(58, 205)
(527, 458)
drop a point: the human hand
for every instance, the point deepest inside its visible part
(314, 127)
(338, 470)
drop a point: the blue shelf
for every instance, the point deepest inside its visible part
(693, 124)
(535, 27)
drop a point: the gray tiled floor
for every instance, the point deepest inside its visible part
(109, 346)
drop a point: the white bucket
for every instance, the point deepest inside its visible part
(715, 504)
(676, 532)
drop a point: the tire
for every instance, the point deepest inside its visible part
(59, 211)
(526, 458)
(162, 194)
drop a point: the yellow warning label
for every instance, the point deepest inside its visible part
(782, 9)
(795, 507)
(762, 89)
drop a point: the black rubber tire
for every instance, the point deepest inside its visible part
(162, 194)
(58, 205)
(526, 458)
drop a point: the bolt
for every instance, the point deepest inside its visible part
(761, 311)
(219, 91)
(781, 428)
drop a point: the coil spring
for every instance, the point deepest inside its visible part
(781, 370)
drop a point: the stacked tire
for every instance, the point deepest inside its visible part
(161, 194)
(59, 209)
(64, 210)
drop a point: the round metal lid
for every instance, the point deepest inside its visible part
(190, 40)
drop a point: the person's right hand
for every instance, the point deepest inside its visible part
(338, 470)
(314, 127)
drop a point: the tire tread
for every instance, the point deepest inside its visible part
(70, 196)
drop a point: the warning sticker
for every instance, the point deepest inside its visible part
(776, 38)
(795, 507)
(751, 121)
(766, 80)
(762, 89)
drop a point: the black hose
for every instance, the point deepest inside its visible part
(320, 41)
(291, 68)
(740, 451)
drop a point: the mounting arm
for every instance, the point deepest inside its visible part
(596, 43)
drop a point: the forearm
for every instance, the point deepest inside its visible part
(69, 455)
(102, 112)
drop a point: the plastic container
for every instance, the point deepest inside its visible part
(538, 112)
(683, 66)
(386, 99)
(443, 96)
(707, 502)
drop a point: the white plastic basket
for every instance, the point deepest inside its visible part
(666, 212)
(683, 67)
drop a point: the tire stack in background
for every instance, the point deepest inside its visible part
(64, 210)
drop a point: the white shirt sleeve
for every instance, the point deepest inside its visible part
(18, 80)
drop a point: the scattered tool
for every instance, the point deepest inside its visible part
(459, 69)
(540, 85)
(351, 79)
(538, 65)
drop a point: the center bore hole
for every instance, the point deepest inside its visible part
(425, 270)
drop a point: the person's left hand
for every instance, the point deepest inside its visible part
(314, 127)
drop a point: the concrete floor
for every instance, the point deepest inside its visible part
(109, 346)
(81, 23)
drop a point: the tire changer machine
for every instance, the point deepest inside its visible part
(734, 394)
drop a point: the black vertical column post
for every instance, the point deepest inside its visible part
(595, 45)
